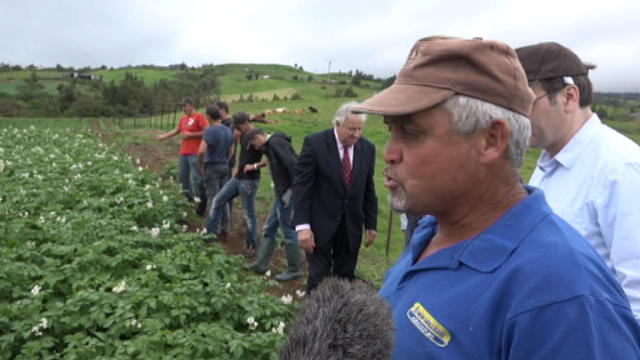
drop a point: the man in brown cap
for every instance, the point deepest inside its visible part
(589, 172)
(493, 273)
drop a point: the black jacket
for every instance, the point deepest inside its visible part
(320, 195)
(282, 161)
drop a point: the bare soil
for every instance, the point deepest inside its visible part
(156, 157)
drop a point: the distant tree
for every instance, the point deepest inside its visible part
(301, 68)
(67, 95)
(103, 67)
(30, 88)
(295, 77)
(275, 97)
(388, 82)
(296, 96)
(309, 78)
(60, 68)
(249, 76)
(256, 76)
(16, 68)
(356, 81)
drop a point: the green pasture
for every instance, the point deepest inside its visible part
(149, 76)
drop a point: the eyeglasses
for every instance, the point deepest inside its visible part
(539, 97)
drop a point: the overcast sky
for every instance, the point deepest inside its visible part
(373, 36)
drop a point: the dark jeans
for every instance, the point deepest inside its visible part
(247, 190)
(215, 176)
(190, 176)
(281, 216)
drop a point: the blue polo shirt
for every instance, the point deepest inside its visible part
(527, 287)
(218, 139)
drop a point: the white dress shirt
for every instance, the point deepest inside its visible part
(594, 184)
(341, 153)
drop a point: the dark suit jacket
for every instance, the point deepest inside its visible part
(320, 196)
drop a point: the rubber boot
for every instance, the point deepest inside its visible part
(265, 251)
(293, 261)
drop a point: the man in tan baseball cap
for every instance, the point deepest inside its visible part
(492, 273)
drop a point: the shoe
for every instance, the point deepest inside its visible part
(293, 263)
(255, 267)
(250, 252)
(288, 276)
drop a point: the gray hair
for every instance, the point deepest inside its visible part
(471, 115)
(344, 111)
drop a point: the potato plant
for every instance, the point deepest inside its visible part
(95, 262)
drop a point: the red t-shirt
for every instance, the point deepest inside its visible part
(191, 123)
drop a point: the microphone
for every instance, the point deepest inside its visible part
(341, 320)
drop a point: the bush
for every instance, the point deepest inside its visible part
(13, 108)
(348, 92)
(85, 106)
(296, 96)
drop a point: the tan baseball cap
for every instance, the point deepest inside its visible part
(439, 67)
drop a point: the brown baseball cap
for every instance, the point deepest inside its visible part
(550, 60)
(439, 67)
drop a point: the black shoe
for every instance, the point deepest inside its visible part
(250, 252)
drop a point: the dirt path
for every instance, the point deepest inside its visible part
(156, 158)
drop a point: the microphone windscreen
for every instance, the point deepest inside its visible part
(341, 320)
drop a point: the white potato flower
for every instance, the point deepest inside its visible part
(286, 299)
(122, 286)
(154, 232)
(36, 290)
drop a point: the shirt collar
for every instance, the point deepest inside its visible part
(335, 133)
(570, 153)
(488, 250)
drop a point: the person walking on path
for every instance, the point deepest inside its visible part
(281, 158)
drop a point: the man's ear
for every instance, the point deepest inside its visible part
(495, 141)
(570, 97)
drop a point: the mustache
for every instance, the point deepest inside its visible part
(389, 172)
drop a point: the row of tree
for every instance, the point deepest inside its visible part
(129, 97)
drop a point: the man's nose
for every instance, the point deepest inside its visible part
(392, 153)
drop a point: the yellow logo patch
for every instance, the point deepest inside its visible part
(428, 325)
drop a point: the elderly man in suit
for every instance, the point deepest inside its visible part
(334, 197)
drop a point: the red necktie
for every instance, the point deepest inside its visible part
(346, 167)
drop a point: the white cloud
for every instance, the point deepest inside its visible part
(372, 36)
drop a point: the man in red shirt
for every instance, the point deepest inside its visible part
(191, 127)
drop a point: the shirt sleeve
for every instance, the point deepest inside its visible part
(619, 218)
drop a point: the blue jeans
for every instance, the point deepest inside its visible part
(247, 190)
(215, 176)
(281, 216)
(188, 170)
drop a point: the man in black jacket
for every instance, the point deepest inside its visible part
(282, 161)
(334, 197)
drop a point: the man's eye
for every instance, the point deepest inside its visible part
(410, 133)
